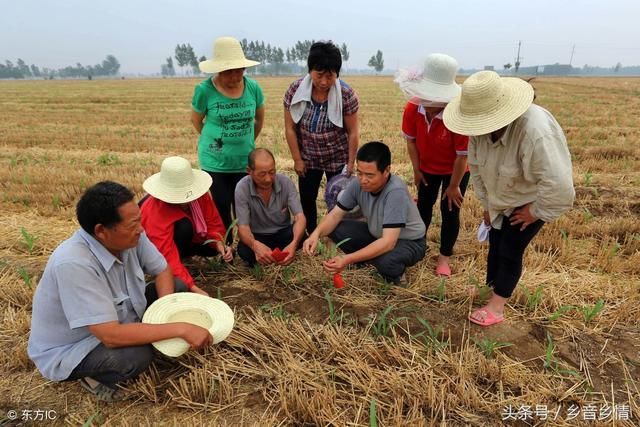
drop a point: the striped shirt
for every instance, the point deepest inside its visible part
(323, 145)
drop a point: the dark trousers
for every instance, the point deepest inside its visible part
(111, 366)
(276, 240)
(506, 251)
(183, 235)
(223, 189)
(308, 186)
(390, 265)
(427, 196)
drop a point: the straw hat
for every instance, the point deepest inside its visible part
(209, 313)
(487, 103)
(227, 55)
(177, 182)
(436, 82)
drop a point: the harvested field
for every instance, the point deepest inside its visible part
(303, 353)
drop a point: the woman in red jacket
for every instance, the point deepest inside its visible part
(179, 216)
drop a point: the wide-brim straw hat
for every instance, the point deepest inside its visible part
(487, 103)
(227, 55)
(436, 82)
(177, 182)
(210, 313)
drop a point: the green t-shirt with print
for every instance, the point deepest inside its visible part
(227, 136)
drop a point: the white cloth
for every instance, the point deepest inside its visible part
(483, 232)
(303, 96)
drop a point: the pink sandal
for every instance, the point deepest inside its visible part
(487, 318)
(443, 270)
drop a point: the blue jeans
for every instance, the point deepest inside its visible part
(390, 265)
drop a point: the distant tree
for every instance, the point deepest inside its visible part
(277, 59)
(377, 62)
(35, 71)
(288, 55)
(110, 66)
(167, 69)
(345, 52)
(507, 66)
(617, 67)
(517, 66)
(23, 68)
(181, 56)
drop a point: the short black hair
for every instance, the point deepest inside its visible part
(324, 56)
(99, 205)
(375, 151)
(251, 159)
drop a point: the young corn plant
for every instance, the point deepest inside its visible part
(488, 346)
(551, 363)
(590, 312)
(534, 298)
(560, 311)
(29, 239)
(373, 413)
(382, 325)
(430, 336)
(257, 272)
(440, 294)
(226, 234)
(25, 276)
(276, 311)
(336, 317)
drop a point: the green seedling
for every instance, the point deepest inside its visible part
(226, 234)
(29, 239)
(590, 313)
(219, 293)
(373, 414)
(587, 215)
(431, 336)
(257, 272)
(277, 311)
(335, 317)
(109, 159)
(440, 294)
(533, 298)
(488, 346)
(560, 311)
(549, 360)
(588, 177)
(329, 251)
(26, 278)
(94, 418)
(564, 235)
(383, 325)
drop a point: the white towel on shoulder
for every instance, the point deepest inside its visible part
(303, 95)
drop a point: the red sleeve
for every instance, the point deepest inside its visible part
(461, 143)
(159, 228)
(409, 120)
(215, 227)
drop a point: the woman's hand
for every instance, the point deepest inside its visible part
(300, 167)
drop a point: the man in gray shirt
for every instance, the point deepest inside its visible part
(88, 305)
(264, 203)
(393, 236)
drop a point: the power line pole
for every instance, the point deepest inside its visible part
(572, 51)
(517, 64)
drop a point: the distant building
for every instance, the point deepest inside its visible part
(489, 68)
(549, 70)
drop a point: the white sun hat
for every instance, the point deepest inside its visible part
(227, 55)
(436, 82)
(210, 313)
(487, 103)
(177, 182)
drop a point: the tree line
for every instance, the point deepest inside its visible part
(20, 70)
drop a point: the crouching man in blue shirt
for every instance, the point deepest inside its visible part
(89, 303)
(393, 236)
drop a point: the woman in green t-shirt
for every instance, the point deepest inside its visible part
(228, 113)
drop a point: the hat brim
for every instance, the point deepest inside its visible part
(428, 90)
(518, 96)
(174, 195)
(210, 313)
(210, 66)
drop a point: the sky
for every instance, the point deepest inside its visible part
(141, 34)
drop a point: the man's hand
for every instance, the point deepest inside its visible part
(418, 178)
(454, 197)
(263, 253)
(299, 167)
(291, 249)
(349, 168)
(226, 252)
(486, 218)
(309, 245)
(196, 290)
(522, 216)
(335, 264)
(197, 336)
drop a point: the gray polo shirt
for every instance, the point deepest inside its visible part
(83, 284)
(390, 208)
(251, 210)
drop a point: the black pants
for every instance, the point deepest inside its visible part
(223, 189)
(308, 187)
(111, 366)
(276, 240)
(183, 235)
(427, 196)
(506, 251)
(390, 265)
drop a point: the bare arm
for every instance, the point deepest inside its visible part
(376, 248)
(292, 141)
(165, 283)
(257, 127)
(196, 120)
(328, 223)
(415, 162)
(115, 334)
(353, 130)
(452, 193)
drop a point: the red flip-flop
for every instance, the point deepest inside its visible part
(488, 318)
(443, 270)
